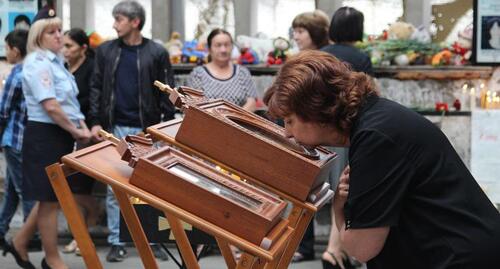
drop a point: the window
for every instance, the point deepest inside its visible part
(103, 20)
(201, 16)
(275, 16)
(374, 22)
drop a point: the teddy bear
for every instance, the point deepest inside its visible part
(174, 47)
(247, 54)
(400, 31)
(279, 54)
(462, 47)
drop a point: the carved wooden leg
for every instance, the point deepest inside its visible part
(73, 215)
(135, 228)
(182, 242)
(226, 252)
(246, 261)
(304, 219)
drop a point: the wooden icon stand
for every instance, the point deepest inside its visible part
(103, 162)
(211, 128)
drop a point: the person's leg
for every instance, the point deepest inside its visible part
(334, 252)
(90, 208)
(306, 247)
(15, 162)
(21, 239)
(9, 205)
(47, 225)
(113, 212)
(11, 196)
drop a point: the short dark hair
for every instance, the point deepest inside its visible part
(318, 87)
(316, 24)
(131, 10)
(18, 39)
(217, 31)
(80, 38)
(346, 25)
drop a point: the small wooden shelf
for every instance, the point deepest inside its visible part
(412, 72)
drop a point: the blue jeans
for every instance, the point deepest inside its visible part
(112, 207)
(13, 190)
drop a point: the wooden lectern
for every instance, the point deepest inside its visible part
(181, 181)
(253, 148)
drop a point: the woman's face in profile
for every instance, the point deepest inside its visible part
(312, 134)
(303, 38)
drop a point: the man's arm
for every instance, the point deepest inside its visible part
(95, 94)
(166, 75)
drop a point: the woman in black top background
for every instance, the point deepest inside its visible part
(346, 28)
(79, 59)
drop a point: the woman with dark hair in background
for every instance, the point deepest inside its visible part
(220, 78)
(345, 29)
(310, 31)
(79, 59)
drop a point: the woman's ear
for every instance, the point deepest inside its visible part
(17, 52)
(85, 48)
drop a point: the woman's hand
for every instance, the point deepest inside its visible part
(342, 190)
(82, 135)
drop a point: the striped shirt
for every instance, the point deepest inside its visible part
(236, 89)
(13, 110)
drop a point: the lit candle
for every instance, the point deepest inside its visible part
(472, 98)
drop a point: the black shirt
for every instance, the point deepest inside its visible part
(406, 175)
(83, 76)
(127, 88)
(359, 61)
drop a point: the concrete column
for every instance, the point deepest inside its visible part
(176, 18)
(160, 19)
(89, 14)
(78, 13)
(59, 8)
(245, 14)
(328, 6)
(418, 12)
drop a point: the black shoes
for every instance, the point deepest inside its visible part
(45, 265)
(116, 254)
(9, 247)
(159, 253)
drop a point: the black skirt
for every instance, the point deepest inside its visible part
(43, 144)
(80, 183)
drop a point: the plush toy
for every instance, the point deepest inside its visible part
(247, 54)
(261, 46)
(442, 58)
(192, 54)
(279, 54)
(400, 31)
(421, 34)
(462, 47)
(174, 47)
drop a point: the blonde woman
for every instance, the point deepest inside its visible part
(54, 123)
